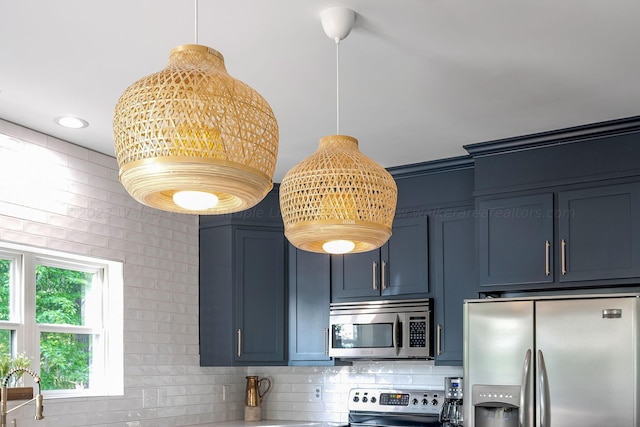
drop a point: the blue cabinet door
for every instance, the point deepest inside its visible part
(259, 297)
(355, 276)
(404, 268)
(242, 300)
(515, 241)
(217, 343)
(309, 297)
(455, 280)
(599, 233)
(399, 268)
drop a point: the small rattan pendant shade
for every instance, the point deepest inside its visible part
(338, 194)
(193, 127)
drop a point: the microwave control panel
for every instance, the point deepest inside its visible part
(417, 332)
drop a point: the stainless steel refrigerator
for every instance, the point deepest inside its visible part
(552, 361)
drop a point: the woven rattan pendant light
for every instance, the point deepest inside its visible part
(338, 200)
(193, 131)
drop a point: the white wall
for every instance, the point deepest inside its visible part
(60, 196)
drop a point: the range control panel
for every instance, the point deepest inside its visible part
(415, 401)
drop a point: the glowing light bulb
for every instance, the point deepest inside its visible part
(338, 246)
(195, 200)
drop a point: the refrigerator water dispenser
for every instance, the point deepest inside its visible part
(496, 405)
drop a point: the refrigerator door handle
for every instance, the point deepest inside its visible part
(524, 393)
(544, 391)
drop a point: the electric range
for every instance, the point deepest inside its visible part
(395, 407)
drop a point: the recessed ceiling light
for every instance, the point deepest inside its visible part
(71, 122)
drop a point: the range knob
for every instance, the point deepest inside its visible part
(356, 399)
(435, 402)
(365, 400)
(373, 399)
(414, 401)
(425, 402)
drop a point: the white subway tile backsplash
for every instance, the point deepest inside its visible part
(12, 129)
(23, 238)
(9, 223)
(62, 147)
(22, 212)
(80, 165)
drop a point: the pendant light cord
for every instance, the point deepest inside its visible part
(196, 21)
(337, 86)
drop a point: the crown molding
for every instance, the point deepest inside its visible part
(556, 137)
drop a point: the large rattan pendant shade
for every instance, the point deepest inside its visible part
(193, 127)
(338, 194)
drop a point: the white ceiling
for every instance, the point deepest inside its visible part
(418, 78)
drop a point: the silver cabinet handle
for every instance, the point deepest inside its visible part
(375, 270)
(438, 339)
(544, 391)
(239, 342)
(524, 394)
(547, 262)
(326, 341)
(563, 245)
(382, 273)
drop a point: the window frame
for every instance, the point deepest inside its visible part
(108, 378)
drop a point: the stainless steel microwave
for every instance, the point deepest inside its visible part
(394, 329)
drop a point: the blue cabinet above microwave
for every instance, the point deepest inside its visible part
(399, 268)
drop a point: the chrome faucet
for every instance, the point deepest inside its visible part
(3, 399)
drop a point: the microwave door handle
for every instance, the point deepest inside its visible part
(396, 324)
(374, 284)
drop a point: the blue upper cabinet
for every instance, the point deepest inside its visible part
(242, 296)
(399, 268)
(515, 240)
(455, 280)
(560, 209)
(596, 240)
(242, 288)
(599, 233)
(405, 258)
(355, 276)
(259, 297)
(309, 298)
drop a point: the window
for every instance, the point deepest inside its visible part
(64, 312)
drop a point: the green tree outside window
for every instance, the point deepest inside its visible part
(5, 335)
(65, 358)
